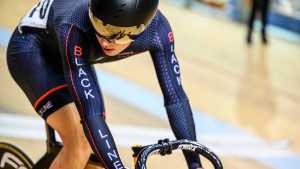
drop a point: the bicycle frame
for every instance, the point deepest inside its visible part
(53, 148)
(141, 153)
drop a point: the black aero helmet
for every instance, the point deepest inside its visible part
(114, 19)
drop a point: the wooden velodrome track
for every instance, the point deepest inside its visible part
(253, 88)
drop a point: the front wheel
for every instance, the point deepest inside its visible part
(12, 157)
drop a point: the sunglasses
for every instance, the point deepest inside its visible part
(119, 38)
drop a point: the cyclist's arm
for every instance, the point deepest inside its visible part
(176, 102)
(86, 95)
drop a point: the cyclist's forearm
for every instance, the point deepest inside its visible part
(101, 141)
(181, 120)
(182, 124)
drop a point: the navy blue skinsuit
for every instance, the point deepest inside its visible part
(54, 66)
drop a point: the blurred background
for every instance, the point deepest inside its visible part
(245, 96)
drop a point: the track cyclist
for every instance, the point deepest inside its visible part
(51, 55)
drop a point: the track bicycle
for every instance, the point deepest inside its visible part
(11, 157)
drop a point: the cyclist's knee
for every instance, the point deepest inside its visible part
(77, 141)
(79, 147)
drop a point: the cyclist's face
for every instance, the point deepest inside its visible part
(110, 48)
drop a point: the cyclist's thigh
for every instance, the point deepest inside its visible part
(38, 72)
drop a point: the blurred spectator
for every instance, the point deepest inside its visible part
(258, 6)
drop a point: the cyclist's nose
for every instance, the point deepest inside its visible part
(105, 42)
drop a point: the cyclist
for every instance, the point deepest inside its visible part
(51, 55)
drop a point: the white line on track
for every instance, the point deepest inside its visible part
(29, 127)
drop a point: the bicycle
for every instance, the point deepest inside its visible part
(12, 157)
